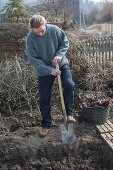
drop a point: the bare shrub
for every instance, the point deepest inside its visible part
(18, 85)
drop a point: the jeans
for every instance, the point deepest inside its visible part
(45, 91)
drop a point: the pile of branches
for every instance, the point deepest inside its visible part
(88, 75)
(14, 33)
(77, 58)
(18, 85)
(97, 86)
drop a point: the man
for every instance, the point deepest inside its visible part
(46, 46)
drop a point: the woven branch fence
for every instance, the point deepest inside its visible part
(98, 51)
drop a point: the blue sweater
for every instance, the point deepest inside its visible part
(42, 49)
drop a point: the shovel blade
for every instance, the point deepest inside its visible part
(67, 134)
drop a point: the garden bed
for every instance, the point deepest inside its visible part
(22, 149)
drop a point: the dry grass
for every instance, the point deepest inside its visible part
(100, 29)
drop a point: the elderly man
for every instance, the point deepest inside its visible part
(46, 46)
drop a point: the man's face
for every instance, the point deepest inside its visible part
(40, 31)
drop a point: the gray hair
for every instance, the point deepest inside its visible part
(36, 21)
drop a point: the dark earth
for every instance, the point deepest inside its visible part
(21, 148)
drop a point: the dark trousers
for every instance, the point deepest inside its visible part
(45, 91)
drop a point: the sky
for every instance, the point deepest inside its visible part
(101, 0)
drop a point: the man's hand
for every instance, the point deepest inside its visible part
(56, 72)
(57, 59)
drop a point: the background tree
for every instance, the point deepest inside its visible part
(60, 9)
(16, 9)
(96, 15)
(106, 14)
(91, 17)
(54, 7)
(68, 10)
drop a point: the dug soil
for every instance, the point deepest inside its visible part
(21, 148)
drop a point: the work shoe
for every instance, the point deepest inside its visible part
(43, 132)
(70, 119)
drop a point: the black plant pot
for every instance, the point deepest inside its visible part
(97, 114)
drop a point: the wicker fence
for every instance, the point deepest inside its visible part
(98, 50)
(10, 46)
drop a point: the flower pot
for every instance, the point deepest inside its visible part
(97, 114)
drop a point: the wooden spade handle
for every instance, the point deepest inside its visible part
(61, 96)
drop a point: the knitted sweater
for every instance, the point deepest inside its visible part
(42, 49)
